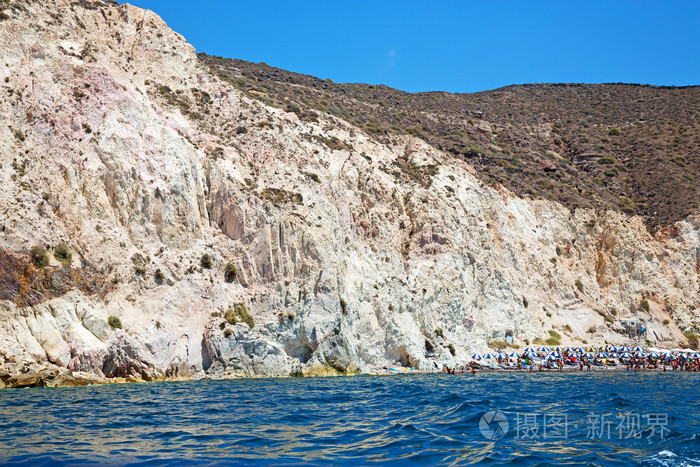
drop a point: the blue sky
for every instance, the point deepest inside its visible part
(460, 46)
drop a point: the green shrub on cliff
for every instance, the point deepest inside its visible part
(452, 350)
(553, 341)
(498, 345)
(40, 257)
(240, 313)
(554, 338)
(644, 305)
(63, 255)
(230, 272)
(114, 322)
(206, 261)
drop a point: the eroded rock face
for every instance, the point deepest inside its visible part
(350, 255)
(240, 352)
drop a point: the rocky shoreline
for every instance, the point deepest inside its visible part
(60, 377)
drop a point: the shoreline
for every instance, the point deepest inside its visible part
(45, 379)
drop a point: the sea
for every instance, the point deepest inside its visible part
(596, 418)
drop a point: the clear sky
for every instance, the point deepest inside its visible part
(455, 46)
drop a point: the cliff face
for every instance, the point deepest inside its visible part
(349, 254)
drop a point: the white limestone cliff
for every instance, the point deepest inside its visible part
(117, 141)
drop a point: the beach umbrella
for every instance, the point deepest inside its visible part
(551, 357)
(588, 355)
(625, 349)
(601, 355)
(612, 348)
(514, 354)
(569, 349)
(543, 349)
(614, 355)
(695, 355)
(638, 349)
(626, 355)
(640, 355)
(530, 354)
(653, 354)
(556, 354)
(667, 354)
(476, 356)
(489, 355)
(576, 355)
(529, 349)
(579, 349)
(501, 355)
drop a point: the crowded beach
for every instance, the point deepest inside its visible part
(581, 359)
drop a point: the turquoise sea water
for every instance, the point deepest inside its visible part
(597, 418)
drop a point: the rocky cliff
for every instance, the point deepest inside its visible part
(192, 230)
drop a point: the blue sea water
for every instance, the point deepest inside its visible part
(595, 418)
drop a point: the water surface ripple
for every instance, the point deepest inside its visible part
(411, 419)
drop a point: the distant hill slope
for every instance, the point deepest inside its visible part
(623, 146)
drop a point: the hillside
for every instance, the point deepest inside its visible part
(630, 147)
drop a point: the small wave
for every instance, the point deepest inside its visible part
(430, 419)
(669, 458)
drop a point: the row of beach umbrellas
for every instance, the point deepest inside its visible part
(554, 354)
(610, 348)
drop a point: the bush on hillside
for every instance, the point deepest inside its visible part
(239, 313)
(63, 255)
(40, 257)
(230, 272)
(644, 305)
(114, 322)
